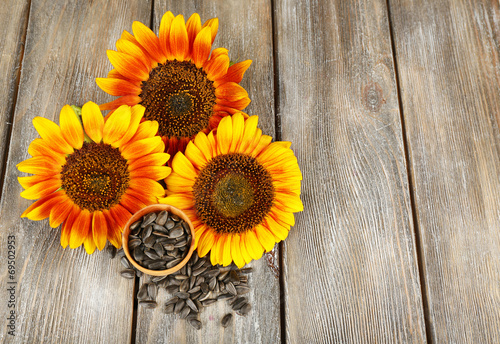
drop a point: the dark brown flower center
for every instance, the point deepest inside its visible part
(95, 177)
(180, 97)
(233, 193)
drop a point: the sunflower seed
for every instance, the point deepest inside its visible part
(159, 228)
(156, 279)
(174, 281)
(245, 309)
(138, 273)
(204, 287)
(158, 265)
(199, 280)
(240, 289)
(169, 309)
(146, 232)
(150, 241)
(160, 234)
(246, 270)
(148, 304)
(125, 262)
(152, 290)
(198, 265)
(238, 303)
(172, 288)
(194, 290)
(234, 277)
(176, 232)
(195, 323)
(162, 218)
(194, 259)
(231, 289)
(226, 321)
(111, 251)
(151, 254)
(169, 224)
(172, 301)
(212, 284)
(222, 275)
(211, 273)
(199, 271)
(191, 305)
(179, 306)
(138, 254)
(159, 249)
(180, 244)
(175, 218)
(224, 296)
(185, 312)
(196, 295)
(143, 292)
(236, 299)
(181, 295)
(192, 281)
(135, 225)
(208, 302)
(183, 270)
(168, 247)
(120, 253)
(182, 277)
(184, 286)
(148, 219)
(173, 263)
(205, 296)
(128, 273)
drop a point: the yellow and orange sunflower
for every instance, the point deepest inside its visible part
(91, 177)
(174, 76)
(239, 190)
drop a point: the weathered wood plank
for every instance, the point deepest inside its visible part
(351, 271)
(448, 58)
(14, 16)
(246, 30)
(62, 296)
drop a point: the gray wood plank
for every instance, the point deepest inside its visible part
(62, 296)
(14, 16)
(245, 28)
(448, 58)
(351, 271)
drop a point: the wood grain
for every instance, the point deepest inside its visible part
(14, 17)
(448, 58)
(63, 296)
(246, 30)
(351, 271)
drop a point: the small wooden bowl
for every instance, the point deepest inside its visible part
(156, 208)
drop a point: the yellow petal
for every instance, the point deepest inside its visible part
(42, 188)
(201, 141)
(40, 165)
(226, 250)
(183, 167)
(194, 154)
(179, 201)
(214, 26)
(140, 148)
(116, 125)
(179, 41)
(99, 230)
(224, 135)
(236, 251)
(71, 127)
(265, 237)
(164, 32)
(93, 121)
(51, 133)
(289, 202)
(237, 132)
(89, 244)
(205, 242)
(252, 244)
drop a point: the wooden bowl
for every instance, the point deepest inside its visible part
(156, 208)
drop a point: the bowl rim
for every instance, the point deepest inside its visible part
(156, 208)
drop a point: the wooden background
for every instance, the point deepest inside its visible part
(393, 108)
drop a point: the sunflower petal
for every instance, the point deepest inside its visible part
(129, 100)
(99, 230)
(179, 201)
(182, 166)
(244, 253)
(133, 48)
(71, 127)
(151, 172)
(117, 87)
(178, 38)
(278, 230)
(206, 242)
(224, 135)
(135, 119)
(27, 182)
(148, 40)
(235, 72)
(289, 202)
(68, 225)
(41, 209)
(140, 148)
(51, 133)
(236, 251)
(40, 165)
(265, 237)
(128, 66)
(116, 125)
(201, 141)
(193, 26)
(147, 185)
(283, 216)
(237, 131)
(114, 234)
(146, 129)
(226, 250)
(164, 33)
(252, 244)
(231, 91)
(60, 213)
(194, 154)
(42, 188)
(93, 122)
(40, 147)
(156, 159)
(201, 47)
(214, 26)
(89, 244)
(80, 229)
(216, 68)
(131, 203)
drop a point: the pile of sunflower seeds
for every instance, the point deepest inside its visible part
(195, 286)
(159, 241)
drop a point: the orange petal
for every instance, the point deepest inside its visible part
(142, 196)
(249, 133)
(151, 172)
(182, 166)
(146, 129)
(71, 127)
(125, 100)
(60, 213)
(117, 87)
(68, 225)
(148, 40)
(116, 125)
(235, 72)
(42, 188)
(201, 47)
(164, 32)
(114, 231)
(194, 154)
(80, 229)
(193, 26)
(131, 203)
(238, 104)
(93, 122)
(134, 48)
(147, 185)
(51, 133)
(135, 119)
(114, 74)
(99, 230)
(230, 91)
(264, 141)
(216, 68)
(179, 41)
(128, 66)
(120, 215)
(27, 182)
(156, 159)
(40, 165)
(40, 147)
(41, 209)
(214, 26)
(140, 147)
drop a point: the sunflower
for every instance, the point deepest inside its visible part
(91, 178)
(175, 78)
(239, 189)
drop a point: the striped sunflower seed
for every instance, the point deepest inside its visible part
(226, 320)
